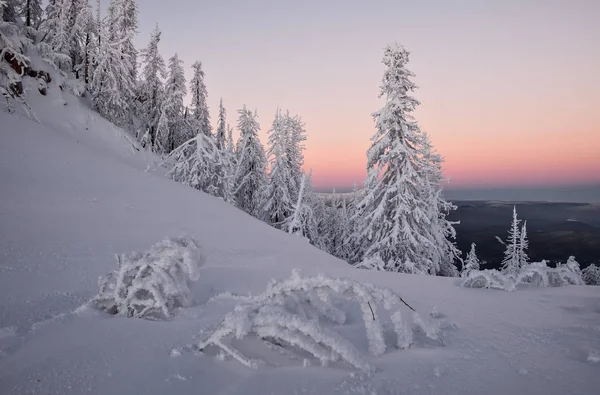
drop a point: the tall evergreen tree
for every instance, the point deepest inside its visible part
(178, 130)
(152, 87)
(112, 87)
(200, 114)
(296, 134)
(250, 177)
(230, 143)
(279, 199)
(523, 245)
(396, 210)
(221, 127)
(511, 265)
(32, 11)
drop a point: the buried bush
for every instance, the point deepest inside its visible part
(300, 314)
(535, 274)
(151, 284)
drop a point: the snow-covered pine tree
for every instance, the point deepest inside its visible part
(512, 259)
(395, 211)
(122, 27)
(279, 200)
(84, 43)
(302, 221)
(250, 178)
(443, 251)
(296, 133)
(152, 88)
(200, 114)
(471, 263)
(31, 11)
(175, 90)
(221, 127)
(523, 245)
(57, 29)
(230, 143)
(111, 86)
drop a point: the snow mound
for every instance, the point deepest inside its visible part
(490, 279)
(591, 275)
(152, 284)
(300, 314)
(532, 275)
(539, 275)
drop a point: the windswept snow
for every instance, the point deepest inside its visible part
(75, 193)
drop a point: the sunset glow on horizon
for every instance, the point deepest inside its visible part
(509, 90)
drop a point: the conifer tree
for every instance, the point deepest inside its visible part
(523, 246)
(173, 108)
(296, 133)
(471, 263)
(279, 200)
(396, 211)
(32, 12)
(112, 88)
(199, 107)
(221, 127)
(152, 89)
(230, 143)
(512, 257)
(250, 178)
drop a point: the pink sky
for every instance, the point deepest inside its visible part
(510, 90)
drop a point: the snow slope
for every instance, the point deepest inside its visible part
(74, 191)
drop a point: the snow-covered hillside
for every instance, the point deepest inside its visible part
(75, 191)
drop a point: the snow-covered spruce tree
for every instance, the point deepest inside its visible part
(524, 245)
(591, 275)
(511, 265)
(396, 212)
(442, 232)
(200, 115)
(113, 82)
(32, 12)
(57, 30)
(307, 211)
(250, 179)
(279, 199)
(151, 91)
(178, 131)
(111, 87)
(296, 133)
(221, 127)
(122, 27)
(471, 263)
(84, 45)
(230, 143)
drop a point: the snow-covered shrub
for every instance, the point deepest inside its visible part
(151, 284)
(487, 279)
(538, 274)
(294, 314)
(591, 275)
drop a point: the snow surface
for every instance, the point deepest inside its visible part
(74, 192)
